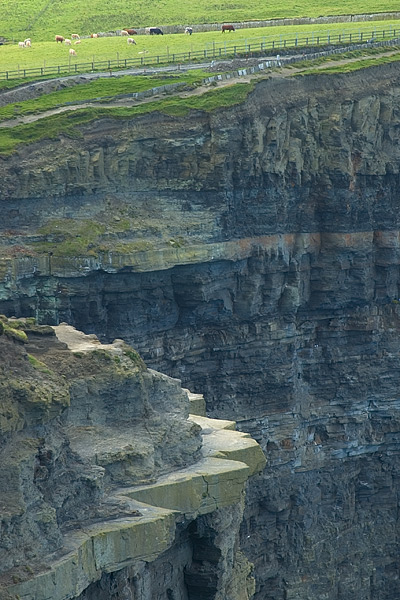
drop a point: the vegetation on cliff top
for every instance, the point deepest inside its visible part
(364, 63)
(207, 45)
(98, 90)
(43, 19)
(68, 123)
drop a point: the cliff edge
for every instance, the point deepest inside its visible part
(103, 473)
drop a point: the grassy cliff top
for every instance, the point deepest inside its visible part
(42, 19)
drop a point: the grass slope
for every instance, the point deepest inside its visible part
(42, 19)
(47, 54)
(68, 123)
(97, 90)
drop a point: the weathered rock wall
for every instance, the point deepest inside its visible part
(272, 286)
(108, 488)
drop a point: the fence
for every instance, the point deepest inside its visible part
(215, 51)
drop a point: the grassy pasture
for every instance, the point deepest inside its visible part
(112, 48)
(99, 89)
(42, 19)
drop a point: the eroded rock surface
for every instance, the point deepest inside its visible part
(263, 270)
(82, 425)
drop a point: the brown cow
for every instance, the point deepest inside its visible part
(130, 31)
(94, 35)
(227, 28)
(59, 38)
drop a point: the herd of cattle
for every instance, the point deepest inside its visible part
(125, 32)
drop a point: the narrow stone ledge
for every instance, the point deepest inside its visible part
(148, 527)
(104, 547)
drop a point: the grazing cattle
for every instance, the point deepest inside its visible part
(155, 31)
(130, 31)
(59, 38)
(67, 42)
(124, 32)
(131, 41)
(77, 42)
(21, 44)
(28, 44)
(75, 36)
(227, 28)
(189, 30)
(94, 35)
(72, 52)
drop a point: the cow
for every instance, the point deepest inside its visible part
(28, 44)
(77, 41)
(59, 38)
(155, 31)
(94, 35)
(124, 32)
(227, 28)
(21, 44)
(131, 41)
(72, 52)
(189, 30)
(27, 40)
(67, 42)
(75, 36)
(129, 32)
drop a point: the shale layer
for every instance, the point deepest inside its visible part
(253, 252)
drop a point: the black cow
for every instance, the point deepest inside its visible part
(155, 31)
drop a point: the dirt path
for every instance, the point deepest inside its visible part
(130, 102)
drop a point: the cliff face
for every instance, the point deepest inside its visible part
(263, 270)
(103, 472)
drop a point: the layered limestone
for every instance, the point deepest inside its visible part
(254, 253)
(92, 418)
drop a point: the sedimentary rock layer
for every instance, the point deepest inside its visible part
(262, 269)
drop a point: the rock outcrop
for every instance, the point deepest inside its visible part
(253, 252)
(104, 477)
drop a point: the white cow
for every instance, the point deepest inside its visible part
(21, 44)
(77, 41)
(72, 52)
(67, 42)
(75, 36)
(131, 41)
(123, 32)
(28, 44)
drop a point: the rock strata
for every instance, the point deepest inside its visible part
(89, 435)
(253, 252)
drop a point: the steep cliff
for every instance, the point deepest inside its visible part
(253, 253)
(108, 488)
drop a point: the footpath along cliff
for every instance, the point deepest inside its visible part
(252, 252)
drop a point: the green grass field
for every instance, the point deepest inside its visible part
(47, 54)
(97, 90)
(42, 19)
